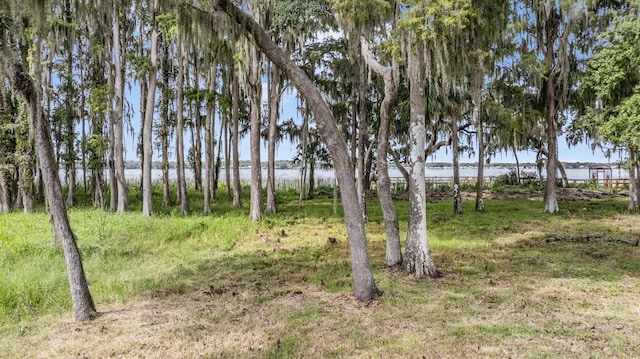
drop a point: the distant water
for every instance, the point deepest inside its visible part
(292, 174)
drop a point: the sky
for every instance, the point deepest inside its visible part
(287, 150)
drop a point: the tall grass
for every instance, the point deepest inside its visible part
(504, 283)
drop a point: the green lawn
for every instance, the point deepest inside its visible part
(220, 286)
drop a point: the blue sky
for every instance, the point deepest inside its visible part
(286, 150)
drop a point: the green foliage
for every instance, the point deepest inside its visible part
(610, 92)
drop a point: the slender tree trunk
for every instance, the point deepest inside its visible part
(274, 114)
(550, 196)
(118, 115)
(364, 284)
(304, 155)
(479, 84)
(208, 141)
(235, 119)
(480, 181)
(147, 134)
(515, 155)
(393, 248)
(457, 196)
(255, 208)
(227, 156)
(182, 181)
(164, 126)
(83, 306)
(111, 156)
(197, 141)
(417, 259)
(362, 139)
(634, 203)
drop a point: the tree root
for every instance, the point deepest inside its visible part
(602, 238)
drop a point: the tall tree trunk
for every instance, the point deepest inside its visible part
(417, 259)
(83, 306)
(182, 180)
(479, 84)
(393, 248)
(362, 139)
(227, 155)
(164, 132)
(69, 121)
(455, 150)
(197, 141)
(364, 284)
(235, 119)
(274, 114)
(255, 208)
(550, 196)
(209, 143)
(119, 114)
(147, 134)
(111, 156)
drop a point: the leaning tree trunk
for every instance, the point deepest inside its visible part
(563, 174)
(393, 249)
(417, 260)
(364, 284)
(83, 306)
(255, 208)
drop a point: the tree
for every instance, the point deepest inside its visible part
(23, 85)
(609, 99)
(364, 284)
(393, 250)
(417, 259)
(147, 127)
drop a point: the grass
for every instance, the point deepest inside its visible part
(220, 286)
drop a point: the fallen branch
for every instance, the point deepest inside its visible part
(602, 238)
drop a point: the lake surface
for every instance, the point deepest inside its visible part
(293, 174)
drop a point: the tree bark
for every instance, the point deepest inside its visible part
(563, 174)
(118, 115)
(455, 150)
(164, 125)
(550, 195)
(364, 284)
(255, 207)
(274, 114)
(417, 260)
(147, 134)
(182, 181)
(235, 119)
(83, 306)
(362, 138)
(209, 146)
(393, 248)
(634, 204)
